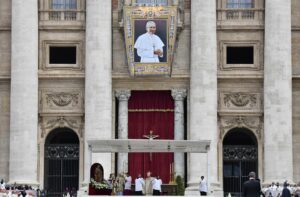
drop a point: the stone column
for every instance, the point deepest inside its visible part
(24, 93)
(179, 96)
(98, 82)
(123, 96)
(203, 95)
(278, 149)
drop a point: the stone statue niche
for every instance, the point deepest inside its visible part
(98, 185)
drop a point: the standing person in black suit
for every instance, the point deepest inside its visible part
(251, 187)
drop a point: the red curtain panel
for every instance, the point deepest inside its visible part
(151, 110)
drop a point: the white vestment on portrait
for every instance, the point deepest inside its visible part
(146, 44)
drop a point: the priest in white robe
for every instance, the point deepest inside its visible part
(149, 46)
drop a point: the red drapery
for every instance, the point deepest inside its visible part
(151, 110)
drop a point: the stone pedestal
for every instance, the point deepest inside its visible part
(123, 96)
(278, 149)
(203, 95)
(98, 93)
(179, 96)
(24, 93)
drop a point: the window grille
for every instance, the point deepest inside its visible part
(233, 4)
(63, 4)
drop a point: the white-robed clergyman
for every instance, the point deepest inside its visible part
(149, 46)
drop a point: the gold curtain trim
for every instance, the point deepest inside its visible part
(150, 110)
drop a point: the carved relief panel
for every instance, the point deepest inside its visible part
(49, 123)
(70, 100)
(254, 123)
(240, 102)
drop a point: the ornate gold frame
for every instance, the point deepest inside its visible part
(132, 13)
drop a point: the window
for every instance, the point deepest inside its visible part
(62, 55)
(240, 55)
(63, 4)
(240, 4)
(152, 2)
(246, 54)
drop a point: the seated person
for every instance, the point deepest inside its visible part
(98, 186)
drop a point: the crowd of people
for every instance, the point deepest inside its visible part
(252, 187)
(19, 190)
(276, 190)
(122, 185)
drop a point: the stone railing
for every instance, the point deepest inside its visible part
(62, 15)
(238, 17)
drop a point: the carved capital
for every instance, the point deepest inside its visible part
(179, 94)
(255, 124)
(123, 95)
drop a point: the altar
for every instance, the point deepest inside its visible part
(150, 146)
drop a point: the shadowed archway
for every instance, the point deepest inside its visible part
(240, 156)
(61, 161)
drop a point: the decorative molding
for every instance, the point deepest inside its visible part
(240, 101)
(62, 99)
(253, 123)
(50, 123)
(179, 94)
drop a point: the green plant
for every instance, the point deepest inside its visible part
(180, 186)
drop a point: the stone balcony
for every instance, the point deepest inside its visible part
(62, 19)
(240, 18)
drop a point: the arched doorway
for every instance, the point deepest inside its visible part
(61, 161)
(240, 156)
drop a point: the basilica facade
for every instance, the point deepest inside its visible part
(226, 71)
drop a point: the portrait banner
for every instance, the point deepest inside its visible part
(150, 34)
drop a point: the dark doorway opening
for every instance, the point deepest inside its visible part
(240, 156)
(61, 170)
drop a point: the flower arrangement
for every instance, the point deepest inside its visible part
(99, 185)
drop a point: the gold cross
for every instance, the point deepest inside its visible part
(151, 137)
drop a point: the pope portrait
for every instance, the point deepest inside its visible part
(148, 45)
